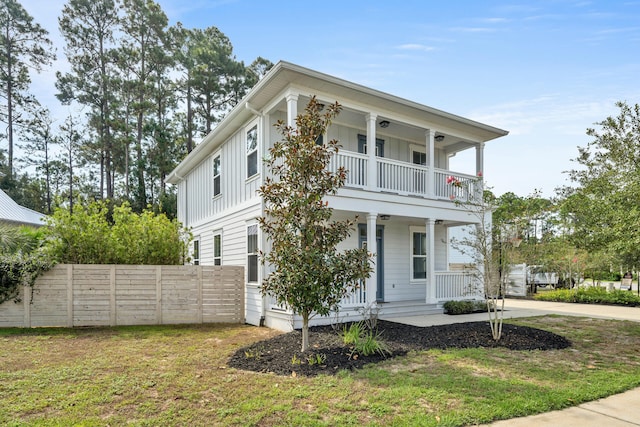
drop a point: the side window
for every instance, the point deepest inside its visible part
(252, 151)
(252, 253)
(196, 252)
(419, 255)
(217, 249)
(216, 175)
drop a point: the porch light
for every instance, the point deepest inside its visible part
(439, 138)
(439, 221)
(384, 124)
(385, 217)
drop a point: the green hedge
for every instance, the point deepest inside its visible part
(464, 307)
(591, 295)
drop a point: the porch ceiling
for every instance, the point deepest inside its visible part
(396, 129)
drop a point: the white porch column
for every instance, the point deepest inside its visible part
(430, 184)
(431, 261)
(479, 170)
(292, 109)
(372, 170)
(372, 281)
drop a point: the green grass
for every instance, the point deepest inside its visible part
(177, 375)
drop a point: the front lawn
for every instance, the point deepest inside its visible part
(178, 375)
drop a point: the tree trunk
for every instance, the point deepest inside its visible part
(9, 110)
(305, 331)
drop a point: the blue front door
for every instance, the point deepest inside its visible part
(362, 238)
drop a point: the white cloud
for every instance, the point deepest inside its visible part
(416, 47)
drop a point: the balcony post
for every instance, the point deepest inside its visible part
(430, 184)
(372, 174)
(372, 281)
(431, 261)
(479, 170)
(292, 109)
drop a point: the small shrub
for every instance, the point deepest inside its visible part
(352, 334)
(364, 341)
(371, 343)
(316, 359)
(253, 354)
(370, 315)
(464, 307)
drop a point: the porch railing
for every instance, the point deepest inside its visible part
(355, 165)
(464, 191)
(356, 298)
(457, 285)
(404, 178)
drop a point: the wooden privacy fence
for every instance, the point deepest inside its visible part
(110, 295)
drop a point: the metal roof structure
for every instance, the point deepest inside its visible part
(13, 213)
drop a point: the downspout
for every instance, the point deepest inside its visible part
(263, 308)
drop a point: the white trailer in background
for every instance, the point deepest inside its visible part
(517, 280)
(523, 277)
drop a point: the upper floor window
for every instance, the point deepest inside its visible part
(362, 145)
(419, 158)
(216, 175)
(252, 151)
(217, 249)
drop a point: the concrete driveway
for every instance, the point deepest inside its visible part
(526, 308)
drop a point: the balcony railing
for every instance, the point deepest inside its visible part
(404, 178)
(457, 285)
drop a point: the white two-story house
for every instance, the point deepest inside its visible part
(397, 156)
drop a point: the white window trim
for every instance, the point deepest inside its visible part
(412, 230)
(248, 225)
(419, 148)
(213, 159)
(256, 150)
(215, 234)
(194, 260)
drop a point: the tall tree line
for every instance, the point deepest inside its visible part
(145, 91)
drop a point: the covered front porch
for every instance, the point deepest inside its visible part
(412, 273)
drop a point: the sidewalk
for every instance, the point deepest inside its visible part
(620, 410)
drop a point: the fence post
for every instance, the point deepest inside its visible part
(200, 302)
(70, 295)
(159, 294)
(112, 295)
(26, 298)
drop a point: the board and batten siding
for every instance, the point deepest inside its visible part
(398, 285)
(394, 148)
(196, 202)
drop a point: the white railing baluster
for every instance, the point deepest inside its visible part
(454, 285)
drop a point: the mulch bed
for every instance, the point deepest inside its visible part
(276, 354)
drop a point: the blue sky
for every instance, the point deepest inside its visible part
(543, 70)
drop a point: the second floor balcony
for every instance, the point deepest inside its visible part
(407, 179)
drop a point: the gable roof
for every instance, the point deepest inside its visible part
(285, 74)
(13, 213)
